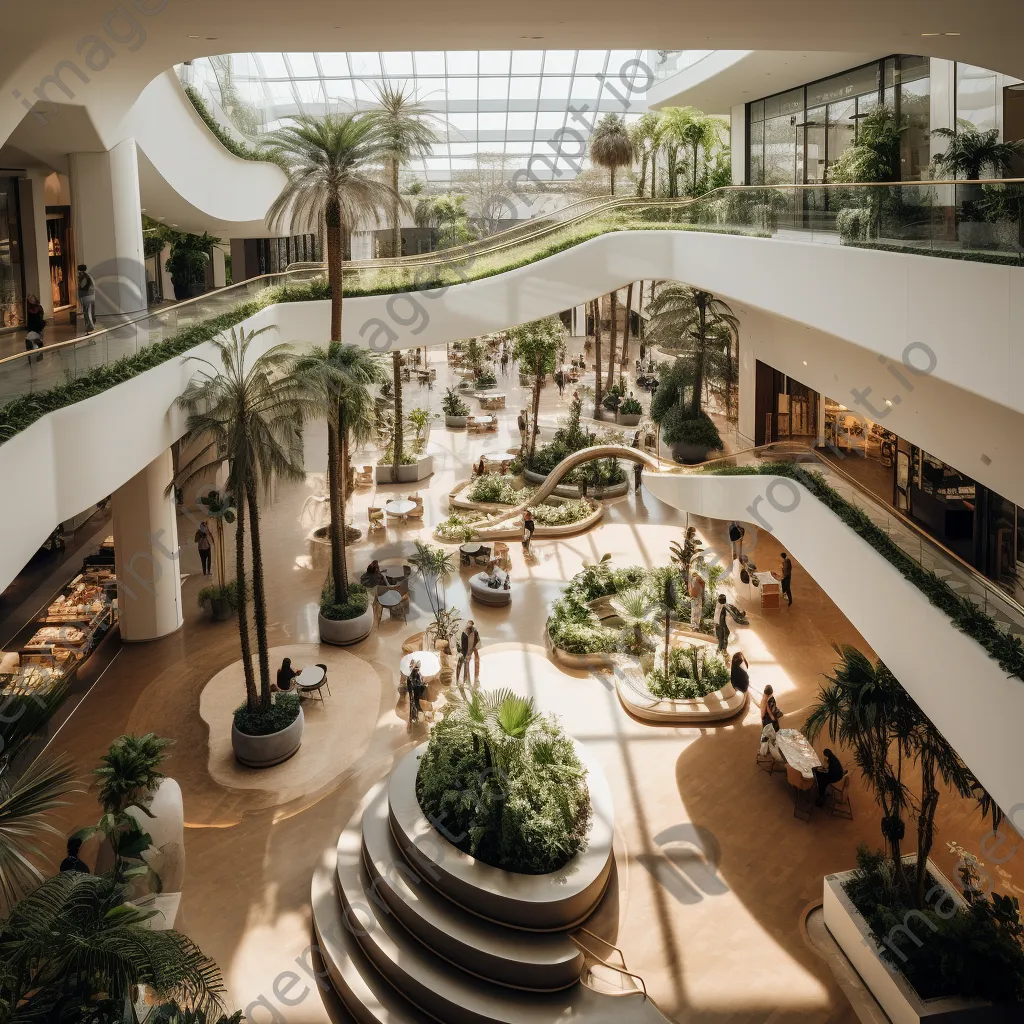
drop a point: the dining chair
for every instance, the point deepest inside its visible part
(803, 790)
(376, 518)
(416, 513)
(766, 759)
(838, 796)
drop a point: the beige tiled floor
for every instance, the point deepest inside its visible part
(713, 870)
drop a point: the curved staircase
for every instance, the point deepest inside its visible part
(396, 929)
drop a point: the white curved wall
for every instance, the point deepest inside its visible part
(961, 689)
(187, 177)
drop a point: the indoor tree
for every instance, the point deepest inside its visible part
(969, 151)
(341, 382)
(611, 146)
(535, 345)
(435, 568)
(598, 382)
(248, 409)
(446, 213)
(645, 135)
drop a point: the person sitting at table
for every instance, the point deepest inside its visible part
(831, 771)
(770, 713)
(480, 468)
(285, 676)
(374, 576)
(415, 688)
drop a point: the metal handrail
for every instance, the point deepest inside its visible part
(874, 500)
(612, 967)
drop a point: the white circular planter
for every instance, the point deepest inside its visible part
(166, 855)
(455, 421)
(264, 751)
(342, 632)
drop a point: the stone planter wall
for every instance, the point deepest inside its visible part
(422, 468)
(455, 421)
(342, 632)
(265, 751)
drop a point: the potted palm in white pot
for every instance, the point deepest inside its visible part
(455, 410)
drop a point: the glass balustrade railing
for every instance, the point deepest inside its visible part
(965, 220)
(922, 548)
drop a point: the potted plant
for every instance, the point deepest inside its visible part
(971, 953)
(346, 621)
(435, 568)
(485, 380)
(691, 440)
(143, 816)
(630, 411)
(220, 601)
(454, 408)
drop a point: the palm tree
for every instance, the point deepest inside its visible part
(250, 411)
(697, 322)
(667, 599)
(610, 146)
(598, 382)
(635, 608)
(448, 214)
(403, 131)
(76, 941)
(690, 129)
(645, 137)
(536, 345)
(340, 379)
(331, 181)
(970, 151)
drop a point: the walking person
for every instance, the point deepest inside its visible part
(523, 423)
(87, 297)
(469, 649)
(504, 360)
(770, 713)
(736, 540)
(35, 323)
(560, 383)
(696, 591)
(528, 527)
(204, 541)
(787, 577)
(638, 472)
(722, 624)
(415, 689)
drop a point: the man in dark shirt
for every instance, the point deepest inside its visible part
(831, 771)
(787, 577)
(72, 862)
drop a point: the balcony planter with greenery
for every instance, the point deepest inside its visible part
(896, 918)
(263, 737)
(454, 408)
(348, 622)
(534, 815)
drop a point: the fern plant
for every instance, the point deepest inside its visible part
(129, 771)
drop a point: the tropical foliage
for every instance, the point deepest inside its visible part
(970, 151)
(692, 672)
(129, 771)
(535, 347)
(611, 146)
(504, 783)
(448, 215)
(453, 405)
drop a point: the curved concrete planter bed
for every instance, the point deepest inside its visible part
(420, 470)
(640, 702)
(571, 491)
(342, 632)
(390, 914)
(265, 751)
(455, 422)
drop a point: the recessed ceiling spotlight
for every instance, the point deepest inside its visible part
(531, 37)
(805, 362)
(927, 35)
(174, 225)
(191, 37)
(212, 39)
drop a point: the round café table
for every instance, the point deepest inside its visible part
(430, 664)
(312, 680)
(399, 508)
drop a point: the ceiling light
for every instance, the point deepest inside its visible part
(212, 39)
(888, 402)
(531, 37)
(928, 35)
(174, 225)
(805, 362)
(191, 37)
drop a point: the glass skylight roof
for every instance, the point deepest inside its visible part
(512, 103)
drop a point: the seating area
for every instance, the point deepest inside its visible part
(790, 751)
(493, 588)
(481, 425)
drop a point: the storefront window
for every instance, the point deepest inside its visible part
(976, 97)
(12, 299)
(915, 106)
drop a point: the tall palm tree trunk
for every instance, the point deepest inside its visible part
(598, 386)
(698, 363)
(396, 371)
(654, 173)
(611, 174)
(925, 824)
(538, 370)
(396, 210)
(335, 256)
(251, 696)
(611, 348)
(343, 546)
(259, 599)
(626, 331)
(337, 522)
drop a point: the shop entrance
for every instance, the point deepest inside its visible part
(785, 409)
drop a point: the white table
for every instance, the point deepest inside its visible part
(399, 508)
(798, 752)
(430, 664)
(312, 680)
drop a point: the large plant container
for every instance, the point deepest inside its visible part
(265, 751)
(420, 470)
(894, 993)
(455, 421)
(342, 632)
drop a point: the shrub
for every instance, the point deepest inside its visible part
(562, 515)
(583, 637)
(455, 528)
(692, 672)
(283, 710)
(356, 605)
(533, 814)
(216, 592)
(129, 771)
(453, 405)
(228, 141)
(631, 407)
(486, 379)
(499, 489)
(677, 429)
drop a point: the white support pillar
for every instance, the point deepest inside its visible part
(219, 269)
(166, 284)
(748, 390)
(146, 553)
(35, 249)
(107, 215)
(579, 321)
(738, 143)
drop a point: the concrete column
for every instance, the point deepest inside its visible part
(146, 553)
(738, 143)
(579, 322)
(219, 270)
(747, 390)
(34, 248)
(107, 214)
(166, 284)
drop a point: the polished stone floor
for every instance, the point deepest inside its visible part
(713, 871)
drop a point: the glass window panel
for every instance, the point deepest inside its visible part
(461, 88)
(398, 64)
(585, 89)
(429, 62)
(273, 65)
(251, 92)
(524, 88)
(364, 91)
(527, 62)
(558, 62)
(915, 143)
(791, 102)
(591, 62)
(495, 62)
(335, 65)
(339, 89)
(757, 111)
(492, 121)
(279, 93)
(463, 163)
(780, 150)
(462, 122)
(310, 92)
(914, 68)
(522, 121)
(436, 163)
(493, 88)
(518, 147)
(462, 62)
(976, 98)
(555, 89)
(303, 65)
(366, 64)
(757, 153)
(548, 119)
(620, 63)
(857, 82)
(462, 148)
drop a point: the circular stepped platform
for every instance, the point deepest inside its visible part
(539, 903)
(398, 951)
(546, 962)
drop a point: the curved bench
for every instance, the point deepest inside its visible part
(480, 591)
